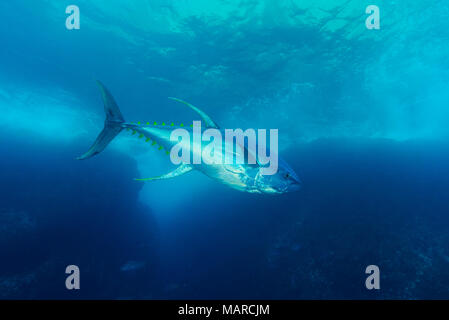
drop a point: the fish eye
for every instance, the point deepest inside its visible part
(287, 175)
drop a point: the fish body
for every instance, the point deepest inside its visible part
(246, 176)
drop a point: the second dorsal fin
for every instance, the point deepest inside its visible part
(209, 122)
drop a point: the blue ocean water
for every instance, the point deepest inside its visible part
(362, 118)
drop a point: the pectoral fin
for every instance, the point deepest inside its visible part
(182, 169)
(209, 122)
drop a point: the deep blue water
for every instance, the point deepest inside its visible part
(362, 118)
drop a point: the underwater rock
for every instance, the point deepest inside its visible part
(62, 212)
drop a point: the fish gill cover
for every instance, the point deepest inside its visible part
(362, 115)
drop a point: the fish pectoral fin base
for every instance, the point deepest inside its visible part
(182, 169)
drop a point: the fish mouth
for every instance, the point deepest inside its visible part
(298, 184)
(293, 186)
